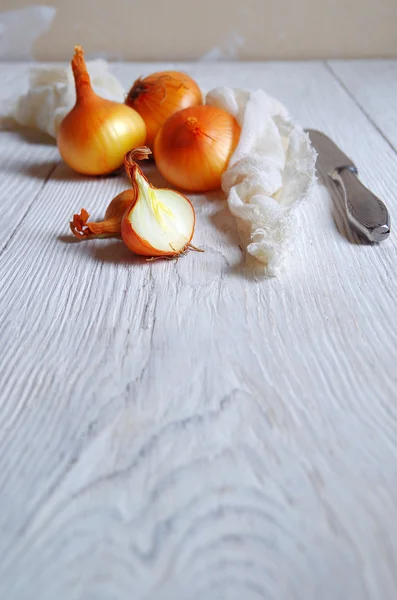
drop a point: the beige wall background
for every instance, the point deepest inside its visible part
(198, 30)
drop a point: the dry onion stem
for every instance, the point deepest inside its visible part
(110, 227)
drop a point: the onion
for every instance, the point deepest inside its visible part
(193, 147)
(161, 221)
(95, 135)
(153, 222)
(159, 96)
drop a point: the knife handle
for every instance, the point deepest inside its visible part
(365, 211)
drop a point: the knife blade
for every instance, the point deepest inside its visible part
(365, 211)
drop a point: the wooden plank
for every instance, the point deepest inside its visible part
(187, 429)
(27, 157)
(373, 83)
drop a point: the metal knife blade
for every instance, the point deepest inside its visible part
(365, 211)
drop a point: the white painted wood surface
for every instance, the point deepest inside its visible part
(188, 430)
(373, 83)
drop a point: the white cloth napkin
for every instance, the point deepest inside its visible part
(269, 175)
(51, 94)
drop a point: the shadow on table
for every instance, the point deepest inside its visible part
(61, 172)
(27, 134)
(112, 251)
(44, 170)
(246, 267)
(56, 169)
(116, 252)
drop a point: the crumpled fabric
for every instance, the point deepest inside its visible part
(51, 94)
(269, 175)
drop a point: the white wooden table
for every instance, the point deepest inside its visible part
(186, 430)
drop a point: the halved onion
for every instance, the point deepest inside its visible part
(152, 221)
(161, 221)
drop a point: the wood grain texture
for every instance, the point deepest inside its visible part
(27, 157)
(186, 429)
(373, 83)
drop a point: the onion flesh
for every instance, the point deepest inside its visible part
(161, 219)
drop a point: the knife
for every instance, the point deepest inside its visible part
(365, 211)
